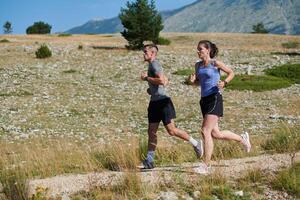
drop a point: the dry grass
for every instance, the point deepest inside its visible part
(45, 158)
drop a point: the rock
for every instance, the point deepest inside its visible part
(215, 197)
(65, 197)
(3, 196)
(249, 69)
(196, 194)
(239, 193)
(1, 188)
(169, 195)
(187, 197)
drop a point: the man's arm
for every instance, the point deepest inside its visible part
(159, 79)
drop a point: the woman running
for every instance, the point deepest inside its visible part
(207, 75)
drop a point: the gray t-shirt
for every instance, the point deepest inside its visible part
(157, 92)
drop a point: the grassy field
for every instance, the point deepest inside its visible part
(84, 108)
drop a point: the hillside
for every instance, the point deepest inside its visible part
(280, 17)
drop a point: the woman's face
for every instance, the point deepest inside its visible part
(202, 51)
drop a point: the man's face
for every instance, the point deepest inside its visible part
(148, 54)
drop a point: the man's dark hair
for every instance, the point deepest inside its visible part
(150, 46)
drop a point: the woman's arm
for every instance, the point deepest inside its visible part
(229, 72)
(192, 79)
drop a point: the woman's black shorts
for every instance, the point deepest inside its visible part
(212, 104)
(161, 110)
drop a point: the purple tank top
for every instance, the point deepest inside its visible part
(209, 77)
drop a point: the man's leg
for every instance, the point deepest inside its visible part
(173, 131)
(152, 142)
(152, 136)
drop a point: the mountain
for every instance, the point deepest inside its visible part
(112, 25)
(278, 16)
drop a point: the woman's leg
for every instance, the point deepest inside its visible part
(209, 122)
(225, 135)
(228, 135)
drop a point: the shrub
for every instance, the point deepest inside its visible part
(163, 41)
(64, 35)
(253, 176)
(39, 28)
(4, 40)
(288, 180)
(253, 82)
(259, 28)
(226, 192)
(43, 52)
(182, 38)
(288, 71)
(227, 150)
(285, 139)
(117, 157)
(70, 71)
(14, 183)
(184, 72)
(108, 47)
(80, 47)
(286, 53)
(18, 93)
(258, 83)
(290, 45)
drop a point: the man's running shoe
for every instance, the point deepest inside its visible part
(147, 165)
(199, 149)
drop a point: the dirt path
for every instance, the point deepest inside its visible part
(234, 168)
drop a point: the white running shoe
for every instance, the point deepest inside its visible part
(202, 169)
(246, 140)
(199, 149)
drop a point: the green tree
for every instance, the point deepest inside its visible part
(141, 22)
(7, 28)
(259, 28)
(39, 28)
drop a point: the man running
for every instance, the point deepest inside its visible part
(160, 107)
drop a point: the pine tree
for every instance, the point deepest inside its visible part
(259, 28)
(7, 28)
(142, 22)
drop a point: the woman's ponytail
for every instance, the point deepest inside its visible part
(211, 46)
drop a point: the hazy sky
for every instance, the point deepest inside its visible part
(65, 14)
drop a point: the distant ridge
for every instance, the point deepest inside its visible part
(278, 16)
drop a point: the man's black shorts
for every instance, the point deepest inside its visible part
(212, 104)
(161, 110)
